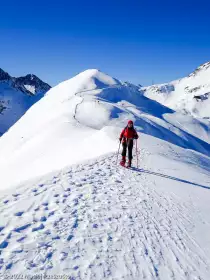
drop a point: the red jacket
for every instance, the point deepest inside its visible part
(128, 133)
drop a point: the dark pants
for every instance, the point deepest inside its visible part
(127, 144)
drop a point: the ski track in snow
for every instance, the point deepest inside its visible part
(99, 221)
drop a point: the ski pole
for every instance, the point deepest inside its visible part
(137, 155)
(118, 152)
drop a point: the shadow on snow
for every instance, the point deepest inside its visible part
(169, 177)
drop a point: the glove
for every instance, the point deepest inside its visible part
(120, 139)
(136, 137)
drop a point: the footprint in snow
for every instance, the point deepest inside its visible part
(118, 181)
(72, 183)
(74, 212)
(48, 256)
(40, 227)
(56, 237)
(109, 238)
(6, 201)
(63, 256)
(43, 219)
(78, 185)
(95, 226)
(16, 194)
(47, 232)
(21, 228)
(83, 179)
(17, 251)
(4, 244)
(70, 237)
(21, 239)
(75, 225)
(51, 213)
(76, 201)
(9, 266)
(1, 228)
(56, 222)
(19, 214)
(45, 203)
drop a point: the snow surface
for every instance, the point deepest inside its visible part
(190, 94)
(15, 104)
(67, 208)
(97, 220)
(30, 88)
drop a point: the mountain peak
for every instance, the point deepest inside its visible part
(4, 76)
(202, 67)
(31, 77)
(92, 72)
(32, 84)
(17, 95)
(190, 94)
(94, 78)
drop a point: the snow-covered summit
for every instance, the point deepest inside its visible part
(190, 94)
(31, 83)
(17, 95)
(94, 78)
(4, 76)
(201, 68)
(91, 79)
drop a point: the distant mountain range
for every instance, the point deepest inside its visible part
(17, 95)
(191, 94)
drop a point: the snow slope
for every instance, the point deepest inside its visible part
(17, 95)
(97, 220)
(190, 94)
(66, 208)
(86, 111)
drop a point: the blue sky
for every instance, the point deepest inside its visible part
(139, 41)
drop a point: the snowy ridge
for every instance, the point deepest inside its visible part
(66, 207)
(77, 113)
(96, 221)
(190, 94)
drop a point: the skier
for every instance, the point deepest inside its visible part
(126, 137)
